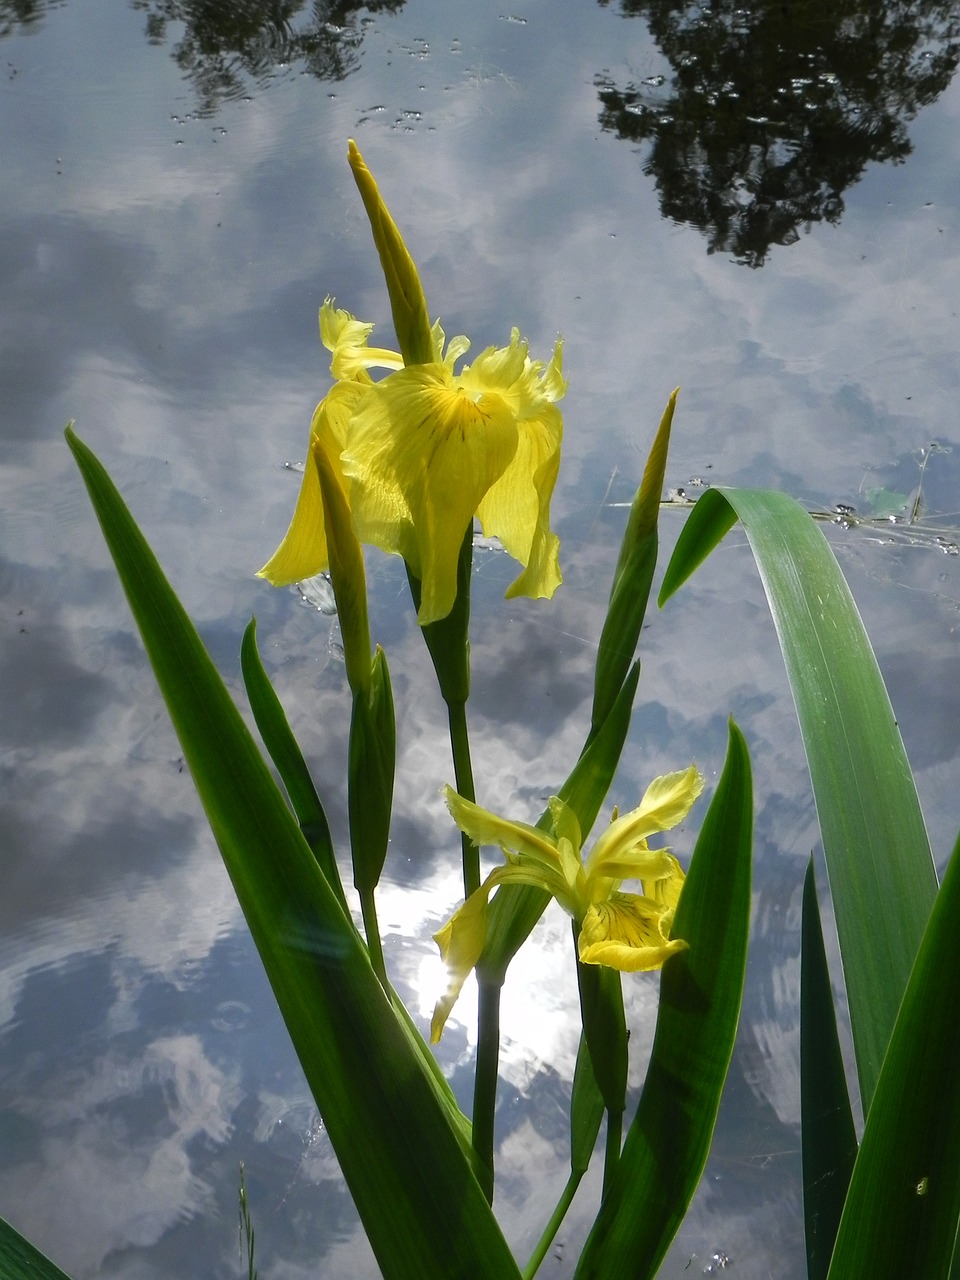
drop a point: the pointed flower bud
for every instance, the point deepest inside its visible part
(410, 317)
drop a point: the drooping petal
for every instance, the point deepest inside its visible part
(460, 941)
(303, 551)
(462, 938)
(421, 454)
(665, 889)
(517, 508)
(667, 801)
(626, 932)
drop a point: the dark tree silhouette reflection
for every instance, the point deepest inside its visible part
(17, 15)
(775, 107)
(226, 46)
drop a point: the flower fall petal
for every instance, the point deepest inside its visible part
(626, 932)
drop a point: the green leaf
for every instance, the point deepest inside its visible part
(605, 1030)
(586, 1111)
(20, 1260)
(902, 1209)
(425, 1214)
(372, 766)
(700, 994)
(828, 1137)
(284, 751)
(881, 872)
(632, 578)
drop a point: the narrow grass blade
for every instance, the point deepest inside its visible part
(371, 772)
(20, 1260)
(902, 1209)
(605, 1030)
(828, 1137)
(700, 994)
(586, 1111)
(586, 1115)
(284, 751)
(881, 872)
(420, 1204)
(632, 578)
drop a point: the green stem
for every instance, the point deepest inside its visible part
(485, 1079)
(553, 1226)
(463, 772)
(368, 909)
(611, 1151)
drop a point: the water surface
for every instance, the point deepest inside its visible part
(762, 212)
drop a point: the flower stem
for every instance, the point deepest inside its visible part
(553, 1226)
(463, 772)
(485, 1079)
(368, 909)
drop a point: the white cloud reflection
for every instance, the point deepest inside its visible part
(165, 295)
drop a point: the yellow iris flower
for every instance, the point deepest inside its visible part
(424, 448)
(627, 931)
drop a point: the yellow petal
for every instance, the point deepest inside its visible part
(669, 798)
(484, 827)
(626, 932)
(421, 454)
(667, 801)
(517, 508)
(462, 938)
(665, 890)
(565, 821)
(460, 941)
(303, 551)
(345, 337)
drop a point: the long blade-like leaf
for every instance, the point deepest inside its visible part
(20, 1260)
(901, 1214)
(700, 993)
(828, 1137)
(881, 872)
(286, 755)
(420, 1204)
(632, 578)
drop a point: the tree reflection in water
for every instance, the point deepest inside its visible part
(227, 45)
(774, 108)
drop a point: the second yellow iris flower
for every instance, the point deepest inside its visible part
(626, 931)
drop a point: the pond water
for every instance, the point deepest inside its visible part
(761, 204)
